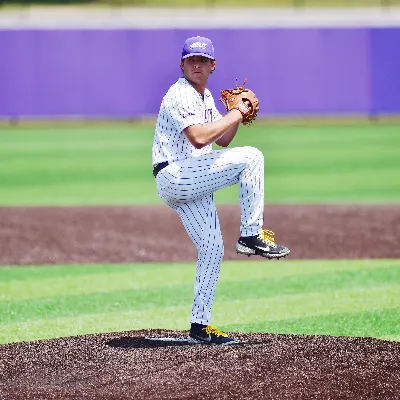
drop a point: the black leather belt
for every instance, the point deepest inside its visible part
(159, 167)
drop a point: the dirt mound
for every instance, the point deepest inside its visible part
(137, 234)
(113, 366)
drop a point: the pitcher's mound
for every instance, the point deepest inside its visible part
(158, 364)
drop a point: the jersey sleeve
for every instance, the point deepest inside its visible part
(184, 110)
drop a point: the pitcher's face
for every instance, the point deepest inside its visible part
(197, 69)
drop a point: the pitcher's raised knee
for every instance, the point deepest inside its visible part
(253, 153)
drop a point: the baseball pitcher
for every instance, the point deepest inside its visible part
(188, 172)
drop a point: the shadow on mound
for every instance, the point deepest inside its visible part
(127, 342)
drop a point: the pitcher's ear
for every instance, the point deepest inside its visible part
(214, 66)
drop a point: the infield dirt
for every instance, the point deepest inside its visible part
(59, 235)
(121, 366)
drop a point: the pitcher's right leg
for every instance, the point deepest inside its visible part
(200, 220)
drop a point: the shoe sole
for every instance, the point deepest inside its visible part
(240, 249)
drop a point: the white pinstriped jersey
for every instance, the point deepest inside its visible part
(181, 107)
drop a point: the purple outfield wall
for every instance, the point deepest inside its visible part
(124, 73)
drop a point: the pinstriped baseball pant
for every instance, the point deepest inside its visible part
(188, 185)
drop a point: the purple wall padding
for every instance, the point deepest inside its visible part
(385, 69)
(125, 73)
(81, 72)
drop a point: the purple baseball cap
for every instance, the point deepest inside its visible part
(198, 46)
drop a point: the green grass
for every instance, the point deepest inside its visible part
(111, 164)
(350, 298)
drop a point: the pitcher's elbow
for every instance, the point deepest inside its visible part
(199, 144)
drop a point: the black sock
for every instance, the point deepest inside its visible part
(197, 328)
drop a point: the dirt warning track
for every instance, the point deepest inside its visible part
(138, 234)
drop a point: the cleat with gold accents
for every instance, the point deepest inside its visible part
(261, 245)
(208, 334)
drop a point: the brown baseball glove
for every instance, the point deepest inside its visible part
(243, 100)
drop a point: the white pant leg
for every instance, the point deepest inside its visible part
(187, 186)
(201, 223)
(196, 177)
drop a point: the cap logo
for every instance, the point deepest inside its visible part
(198, 45)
